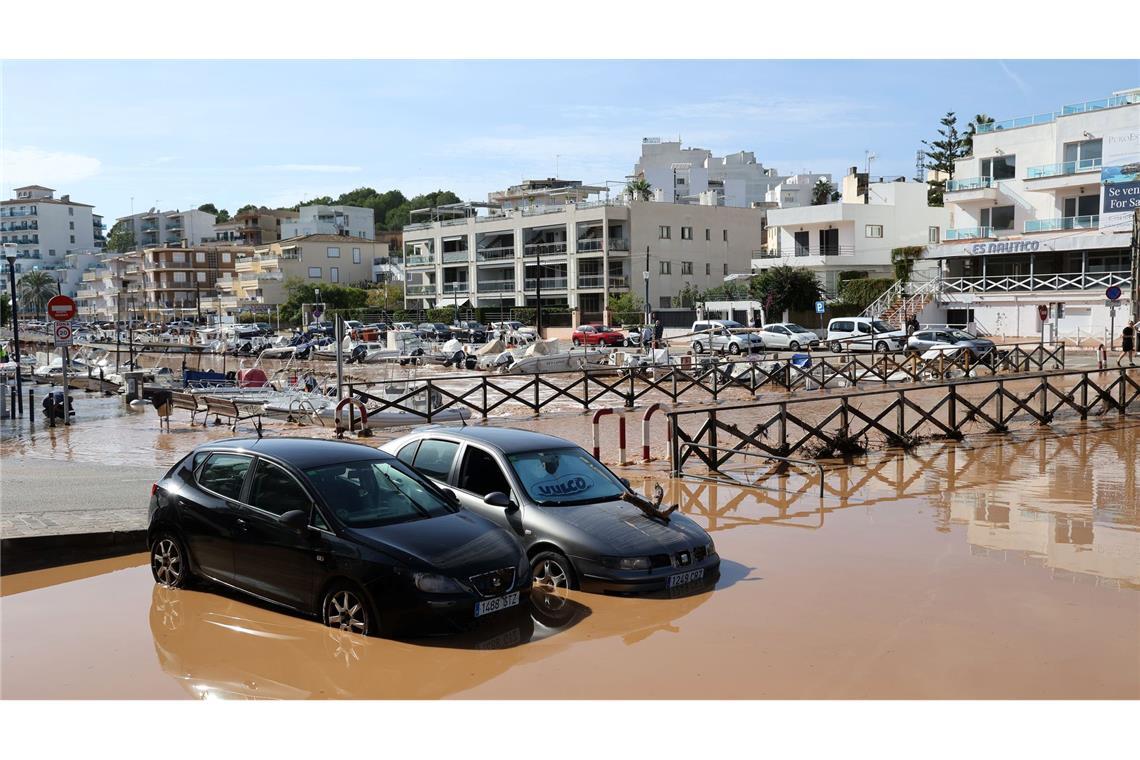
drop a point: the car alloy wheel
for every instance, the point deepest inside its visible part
(167, 562)
(698, 348)
(345, 609)
(552, 572)
(881, 347)
(794, 345)
(836, 347)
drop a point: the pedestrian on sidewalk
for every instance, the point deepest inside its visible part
(658, 331)
(1128, 344)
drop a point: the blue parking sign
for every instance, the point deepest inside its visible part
(820, 307)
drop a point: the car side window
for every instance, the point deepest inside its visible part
(275, 491)
(408, 454)
(224, 474)
(863, 327)
(781, 330)
(842, 327)
(480, 473)
(434, 458)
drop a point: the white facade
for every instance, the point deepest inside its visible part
(1028, 225)
(683, 175)
(47, 230)
(154, 228)
(352, 221)
(588, 252)
(852, 235)
(793, 191)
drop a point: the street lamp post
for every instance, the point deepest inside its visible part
(646, 277)
(10, 255)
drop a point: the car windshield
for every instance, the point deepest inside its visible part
(564, 477)
(602, 328)
(797, 329)
(372, 493)
(731, 325)
(881, 327)
(440, 326)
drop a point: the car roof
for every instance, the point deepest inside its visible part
(506, 440)
(300, 452)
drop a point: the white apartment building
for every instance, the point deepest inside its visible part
(353, 221)
(856, 234)
(793, 191)
(46, 230)
(1041, 214)
(585, 251)
(155, 229)
(686, 175)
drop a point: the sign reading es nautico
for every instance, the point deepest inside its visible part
(1011, 246)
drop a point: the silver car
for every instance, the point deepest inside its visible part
(926, 339)
(788, 335)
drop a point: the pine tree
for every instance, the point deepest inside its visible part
(941, 155)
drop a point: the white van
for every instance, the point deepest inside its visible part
(863, 334)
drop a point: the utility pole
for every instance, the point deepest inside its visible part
(646, 276)
(10, 254)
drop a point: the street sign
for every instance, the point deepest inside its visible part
(62, 308)
(62, 334)
(1043, 312)
(1111, 305)
(820, 307)
(1113, 293)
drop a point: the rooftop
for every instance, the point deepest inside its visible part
(1122, 98)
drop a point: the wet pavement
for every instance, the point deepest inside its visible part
(1000, 567)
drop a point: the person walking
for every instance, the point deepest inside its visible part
(1128, 344)
(658, 330)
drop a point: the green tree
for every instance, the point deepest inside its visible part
(246, 207)
(639, 189)
(821, 192)
(785, 288)
(209, 208)
(335, 297)
(972, 129)
(862, 292)
(387, 296)
(223, 216)
(941, 155)
(121, 239)
(35, 289)
(397, 217)
(729, 291)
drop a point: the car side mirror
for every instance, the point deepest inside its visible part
(450, 495)
(497, 499)
(295, 519)
(625, 482)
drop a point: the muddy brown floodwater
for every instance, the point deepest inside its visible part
(1003, 567)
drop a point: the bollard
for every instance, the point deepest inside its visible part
(1101, 357)
(597, 437)
(645, 431)
(31, 405)
(621, 441)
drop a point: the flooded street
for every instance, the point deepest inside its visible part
(1000, 567)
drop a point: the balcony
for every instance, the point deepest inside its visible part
(87, 293)
(969, 233)
(591, 281)
(502, 253)
(619, 282)
(1090, 222)
(1095, 281)
(972, 183)
(1063, 169)
(14, 212)
(420, 290)
(459, 286)
(544, 249)
(425, 260)
(19, 226)
(496, 286)
(548, 283)
(456, 257)
(149, 227)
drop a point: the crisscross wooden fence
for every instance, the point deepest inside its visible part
(830, 425)
(702, 382)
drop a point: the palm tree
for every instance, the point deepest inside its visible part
(639, 189)
(36, 288)
(821, 193)
(972, 129)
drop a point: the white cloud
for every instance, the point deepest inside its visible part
(320, 168)
(1013, 77)
(29, 165)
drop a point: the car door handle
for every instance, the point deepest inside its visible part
(242, 525)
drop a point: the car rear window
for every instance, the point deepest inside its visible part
(435, 457)
(224, 474)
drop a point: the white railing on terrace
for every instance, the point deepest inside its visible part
(970, 183)
(1046, 118)
(969, 233)
(1064, 168)
(451, 257)
(452, 222)
(420, 261)
(541, 210)
(548, 283)
(492, 218)
(1090, 222)
(418, 226)
(1026, 282)
(421, 290)
(495, 254)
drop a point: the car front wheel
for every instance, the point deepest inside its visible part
(882, 347)
(698, 348)
(346, 608)
(552, 572)
(168, 562)
(576, 342)
(836, 347)
(794, 345)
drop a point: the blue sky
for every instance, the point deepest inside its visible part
(181, 133)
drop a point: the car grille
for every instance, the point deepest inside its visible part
(494, 583)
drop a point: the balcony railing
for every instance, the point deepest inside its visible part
(150, 227)
(496, 286)
(19, 226)
(421, 290)
(421, 261)
(1045, 118)
(1090, 222)
(460, 286)
(1063, 169)
(619, 281)
(495, 254)
(591, 281)
(825, 250)
(971, 183)
(14, 212)
(592, 245)
(452, 222)
(548, 283)
(1096, 281)
(969, 233)
(534, 249)
(418, 226)
(541, 210)
(455, 257)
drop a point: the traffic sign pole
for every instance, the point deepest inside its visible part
(66, 404)
(63, 309)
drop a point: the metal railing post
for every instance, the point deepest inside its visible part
(585, 390)
(483, 382)
(952, 408)
(632, 392)
(429, 405)
(537, 407)
(783, 426)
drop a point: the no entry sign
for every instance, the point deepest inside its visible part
(1043, 312)
(62, 308)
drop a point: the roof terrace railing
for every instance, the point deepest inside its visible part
(1045, 118)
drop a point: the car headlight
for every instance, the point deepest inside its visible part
(437, 584)
(633, 563)
(710, 548)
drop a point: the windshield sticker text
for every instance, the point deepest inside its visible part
(564, 486)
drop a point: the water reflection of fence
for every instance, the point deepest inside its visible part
(703, 381)
(840, 424)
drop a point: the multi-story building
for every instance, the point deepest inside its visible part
(694, 175)
(794, 191)
(857, 234)
(584, 251)
(107, 287)
(259, 226)
(1041, 214)
(46, 230)
(351, 221)
(153, 228)
(259, 277)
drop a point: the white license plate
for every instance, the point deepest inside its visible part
(680, 579)
(487, 606)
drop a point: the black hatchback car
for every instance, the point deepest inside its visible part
(336, 530)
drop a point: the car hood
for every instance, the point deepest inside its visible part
(622, 529)
(458, 544)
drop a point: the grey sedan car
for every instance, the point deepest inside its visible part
(924, 340)
(571, 515)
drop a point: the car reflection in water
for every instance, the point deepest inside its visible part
(221, 648)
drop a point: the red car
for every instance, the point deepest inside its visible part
(598, 335)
